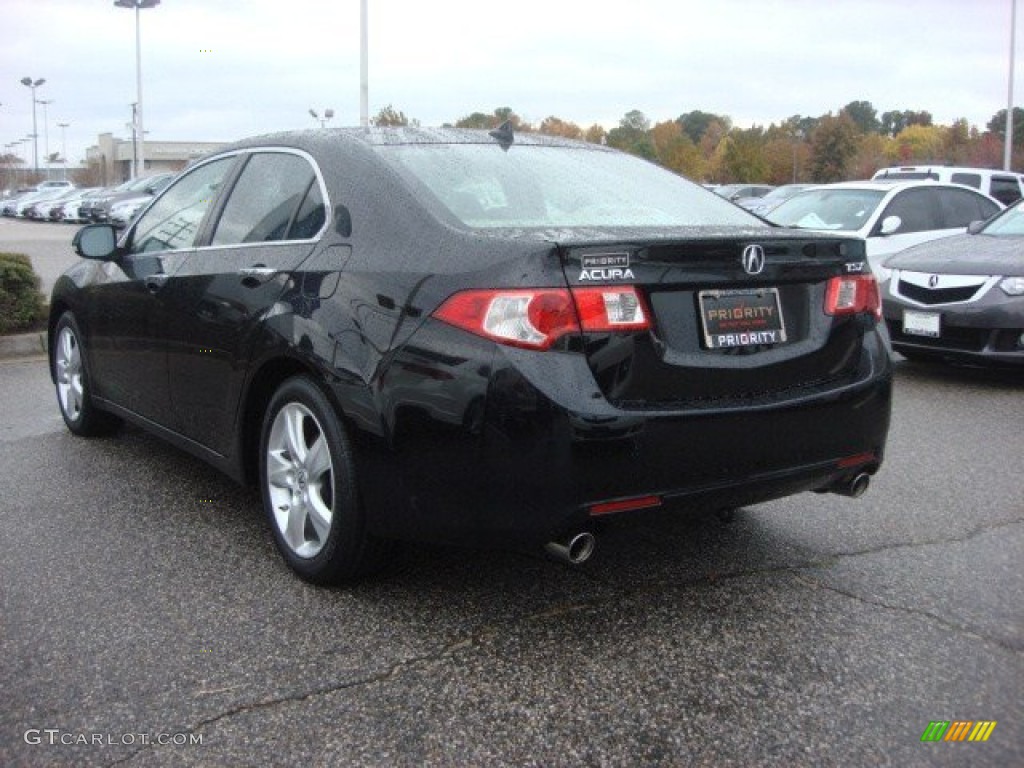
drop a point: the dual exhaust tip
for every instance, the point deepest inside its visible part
(577, 548)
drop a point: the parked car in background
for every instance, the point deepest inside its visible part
(1004, 186)
(736, 192)
(145, 187)
(40, 209)
(890, 216)
(56, 183)
(68, 210)
(22, 205)
(761, 205)
(961, 298)
(476, 336)
(123, 211)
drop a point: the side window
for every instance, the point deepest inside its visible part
(967, 179)
(958, 207)
(311, 215)
(1005, 189)
(173, 221)
(265, 199)
(915, 209)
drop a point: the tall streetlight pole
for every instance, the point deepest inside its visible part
(138, 5)
(63, 150)
(33, 84)
(364, 78)
(1008, 150)
(46, 134)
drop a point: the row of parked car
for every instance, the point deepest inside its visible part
(61, 201)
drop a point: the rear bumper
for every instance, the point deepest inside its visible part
(545, 458)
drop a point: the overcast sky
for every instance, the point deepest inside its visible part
(218, 70)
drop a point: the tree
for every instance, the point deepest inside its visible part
(894, 122)
(997, 126)
(479, 120)
(919, 144)
(391, 116)
(864, 115)
(632, 135)
(674, 150)
(554, 126)
(744, 158)
(596, 134)
(833, 146)
(695, 124)
(90, 176)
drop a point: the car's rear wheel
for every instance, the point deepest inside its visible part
(308, 481)
(72, 382)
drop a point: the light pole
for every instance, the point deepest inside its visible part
(328, 114)
(33, 84)
(46, 134)
(138, 5)
(1008, 150)
(364, 77)
(63, 150)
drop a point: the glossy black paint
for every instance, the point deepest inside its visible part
(457, 437)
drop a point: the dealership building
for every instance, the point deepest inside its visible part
(115, 157)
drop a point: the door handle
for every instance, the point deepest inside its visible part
(258, 273)
(155, 282)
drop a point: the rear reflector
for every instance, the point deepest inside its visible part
(856, 461)
(536, 318)
(851, 294)
(624, 505)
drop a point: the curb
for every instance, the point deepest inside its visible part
(23, 345)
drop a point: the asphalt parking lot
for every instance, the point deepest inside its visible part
(147, 619)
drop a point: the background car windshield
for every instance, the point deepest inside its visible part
(1009, 224)
(529, 186)
(837, 209)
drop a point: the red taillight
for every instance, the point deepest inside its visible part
(851, 294)
(536, 318)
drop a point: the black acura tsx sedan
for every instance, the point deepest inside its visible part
(471, 336)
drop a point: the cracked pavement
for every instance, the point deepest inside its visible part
(813, 631)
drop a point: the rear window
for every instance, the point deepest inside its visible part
(1005, 189)
(485, 187)
(967, 179)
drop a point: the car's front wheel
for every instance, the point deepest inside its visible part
(307, 475)
(72, 381)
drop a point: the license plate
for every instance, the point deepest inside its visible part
(741, 318)
(921, 323)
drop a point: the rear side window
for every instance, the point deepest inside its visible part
(958, 207)
(967, 179)
(265, 200)
(915, 209)
(1005, 189)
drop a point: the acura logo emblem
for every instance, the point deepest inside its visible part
(933, 281)
(753, 259)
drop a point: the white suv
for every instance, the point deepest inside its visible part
(1004, 186)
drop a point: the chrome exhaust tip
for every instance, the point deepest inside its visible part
(854, 488)
(574, 550)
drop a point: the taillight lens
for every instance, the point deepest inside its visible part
(536, 318)
(851, 294)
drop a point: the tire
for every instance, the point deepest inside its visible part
(71, 379)
(308, 482)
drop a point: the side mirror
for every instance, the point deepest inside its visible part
(95, 241)
(975, 227)
(891, 225)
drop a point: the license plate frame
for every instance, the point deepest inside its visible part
(729, 319)
(925, 324)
